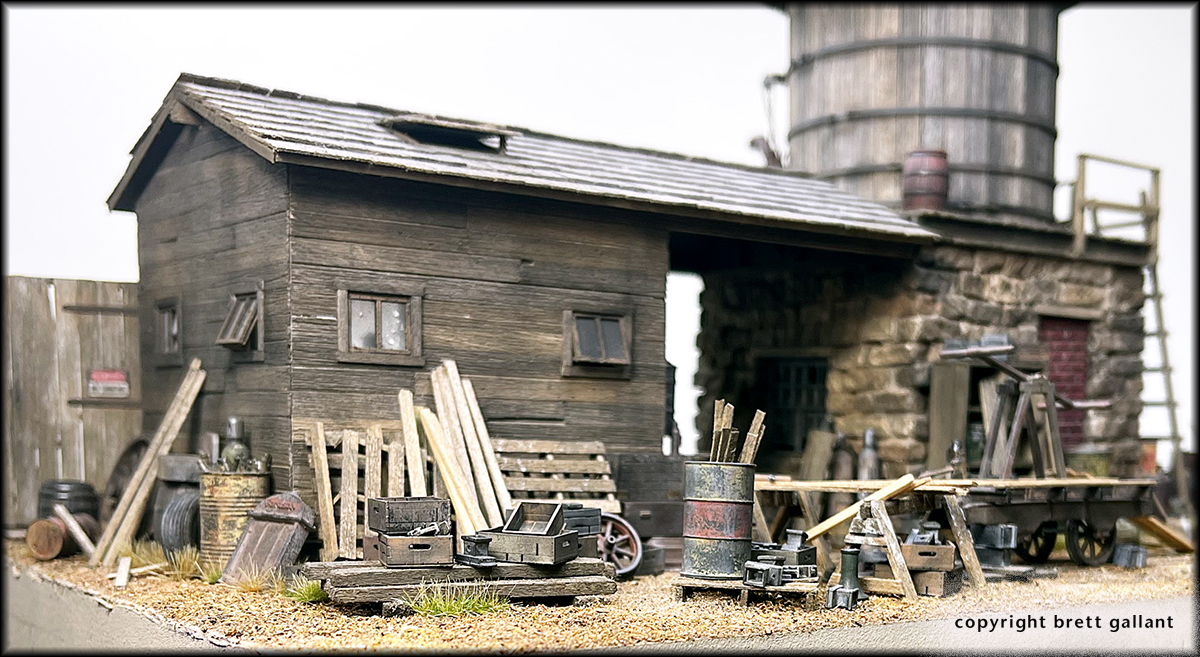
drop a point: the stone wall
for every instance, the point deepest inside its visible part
(880, 322)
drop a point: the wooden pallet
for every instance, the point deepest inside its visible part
(349, 582)
(558, 471)
(684, 587)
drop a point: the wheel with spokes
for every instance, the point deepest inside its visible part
(1087, 545)
(1037, 548)
(619, 544)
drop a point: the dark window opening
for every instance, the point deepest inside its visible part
(168, 341)
(600, 340)
(426, 129)
(796, 402)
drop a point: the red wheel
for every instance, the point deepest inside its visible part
(619, 544)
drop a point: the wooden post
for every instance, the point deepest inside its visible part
(760, 531)
(448, 416)
(1078, 206)
(396, 456)
(320, 463)
(348, 523)
(373, 474)
(962, 538)
(412, 445)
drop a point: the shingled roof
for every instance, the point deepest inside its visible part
(286, 127)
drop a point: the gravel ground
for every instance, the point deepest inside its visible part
(641, 611)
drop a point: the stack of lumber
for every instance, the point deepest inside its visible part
(349, 583)
(726, 446)
(122, 526)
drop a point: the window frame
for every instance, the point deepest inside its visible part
(410, 296)
(574, 365)
(254, 348)
(162, 356)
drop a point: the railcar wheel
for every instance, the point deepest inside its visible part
(1037, 549)
(1087, 545)
(619, 544)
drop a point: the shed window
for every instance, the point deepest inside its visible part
(168, 340)
(244, 311)
(600, 339)
(379, 328)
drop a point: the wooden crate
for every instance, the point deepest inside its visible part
(400, 515)
(404, 551)
(684, 587)
(558, 471)
(528, 548)
(928, 557)
(938, 584)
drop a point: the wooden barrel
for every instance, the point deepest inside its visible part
(870, 83)
(926, 180)
(225, 500)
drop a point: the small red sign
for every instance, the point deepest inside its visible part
(108, 383)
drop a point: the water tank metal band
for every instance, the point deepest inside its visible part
(888, 112)
(807, 59)
(893, 167)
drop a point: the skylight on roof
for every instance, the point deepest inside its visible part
(427, 129)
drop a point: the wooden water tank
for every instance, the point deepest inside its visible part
(871, 83)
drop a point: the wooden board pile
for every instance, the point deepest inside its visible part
(726, 447)
(558, 471)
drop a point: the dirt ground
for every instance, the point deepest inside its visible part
(642, 611)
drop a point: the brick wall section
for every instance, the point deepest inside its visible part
(881, 322)
(1067, 340)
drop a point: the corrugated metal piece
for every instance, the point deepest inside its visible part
(288, 127)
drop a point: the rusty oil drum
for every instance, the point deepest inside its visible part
(225, 499)
(718, 514)
(925, 181)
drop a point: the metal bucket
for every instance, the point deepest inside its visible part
(718, 514)
(225, 499)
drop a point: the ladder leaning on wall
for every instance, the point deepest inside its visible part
(1148, 210)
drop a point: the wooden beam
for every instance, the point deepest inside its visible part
(396, 455)
(503, 498)
(753, 438)
(412, 445)
(128, 514)
(718, 414)
(1168, 536)
(895, 556)
(80, 536)
(470, 518)
(898, 487)
(482, 478)
(962, 538)
(320, 463)
(348, 523)
(373, 472)
(448, 416)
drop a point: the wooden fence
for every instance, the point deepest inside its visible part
(72, 385)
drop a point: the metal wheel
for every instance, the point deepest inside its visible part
(119, 480)
(1087, 545)
(619, 544)
(1037, 548)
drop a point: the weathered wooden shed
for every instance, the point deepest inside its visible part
(320, 255)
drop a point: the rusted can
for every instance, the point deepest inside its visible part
(718, 514)
(225, 500)
(926, 180)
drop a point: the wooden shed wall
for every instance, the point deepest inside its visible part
(498, 272)
(53, 429)
(212, 220)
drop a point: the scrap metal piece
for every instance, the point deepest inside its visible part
(1128, 555)
(795, 539)
(926, 534)
(793, 573)
(432, 529)
(865, 524)
(762, 575)
(994, 536)
(475, 551)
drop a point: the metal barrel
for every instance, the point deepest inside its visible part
(225, 499)
(718, 514)
(77, 496)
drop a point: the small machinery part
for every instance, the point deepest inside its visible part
(762, 575)
(475, 551)
(846, 594)
(926, 534)
(1128, 555)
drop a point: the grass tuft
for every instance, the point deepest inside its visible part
(143, 553)
(302, 589)
(211, 572)
(439, 600)
(184, 564)
(253, 580)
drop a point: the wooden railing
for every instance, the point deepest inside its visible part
(1081, 205)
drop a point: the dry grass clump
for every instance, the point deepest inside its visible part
(302, 589)
(183, 564)
(211, 571)
(439, 600)
(143, 553)
(254, 580)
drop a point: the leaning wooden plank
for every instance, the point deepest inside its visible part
(128, 515)
(489, 450)
(510, 588)
(133, 572)
(483, 479)
(329, 535)
(412, 446)
(895, 556)
(897, 487)
(470, 518)
(395, 452)
(122, 579)
(373, 472)
(72, 525)
(448, 415)
(718, 414)
(962, 538)
(1170, 537)
(753, 437)
(348, 523)
(348, 573)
